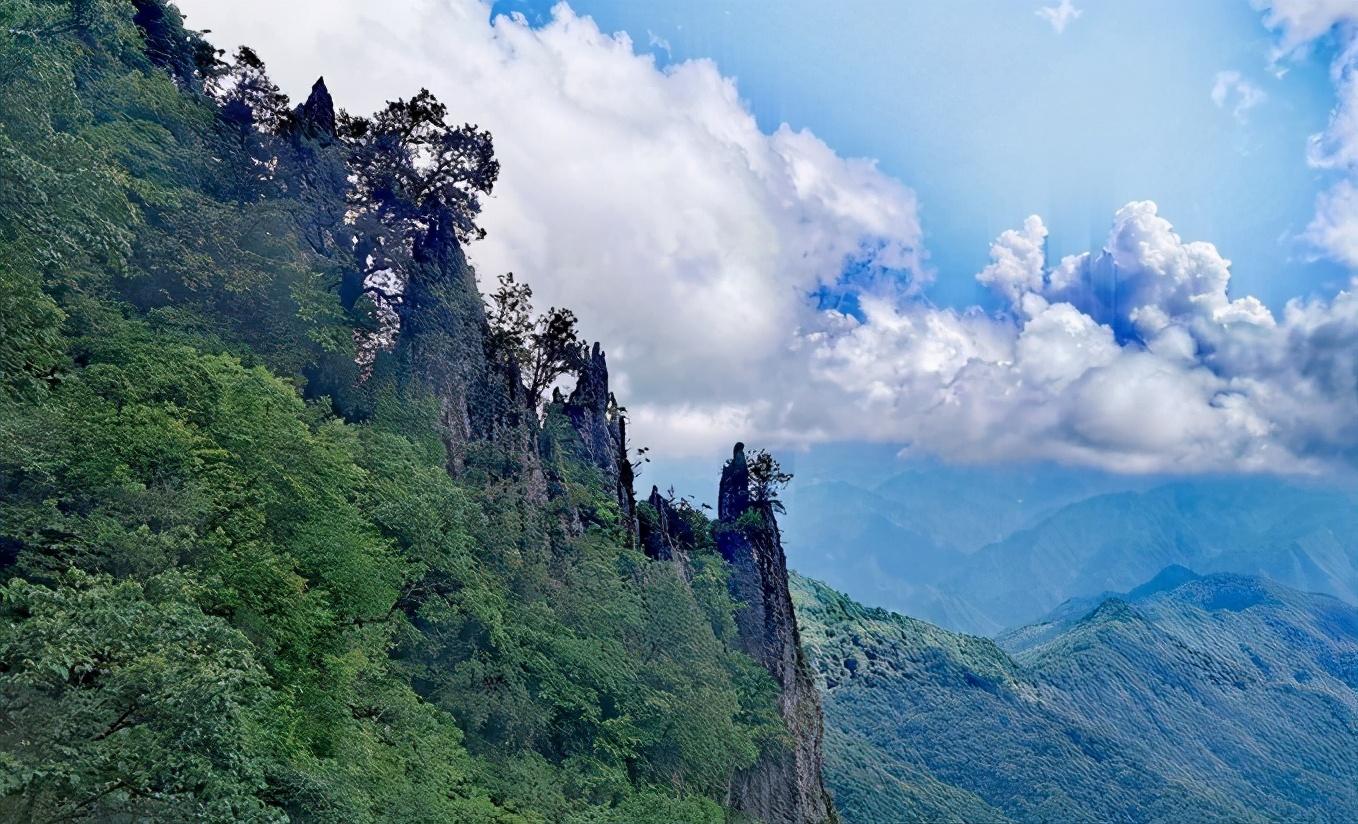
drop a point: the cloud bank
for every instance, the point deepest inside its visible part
(698, 248)
(1134, 359)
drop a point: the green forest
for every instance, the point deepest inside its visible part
(258, 561)
(1219, 698)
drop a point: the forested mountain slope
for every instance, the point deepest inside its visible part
(290, 527)
(1217, 698)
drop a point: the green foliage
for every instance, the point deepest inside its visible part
(544, 348)
(1196, 701)
(224, 602)
(31, 348)
(767, 478)
(126, 700)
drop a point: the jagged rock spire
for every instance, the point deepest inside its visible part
(316, 117)
(596, 417)
(670, 538)
(785, 784)
(733, 497)
(588, 410)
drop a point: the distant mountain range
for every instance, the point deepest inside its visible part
(1222, 698)
(983, 550)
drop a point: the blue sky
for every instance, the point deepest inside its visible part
(696, 189)
(989, 115)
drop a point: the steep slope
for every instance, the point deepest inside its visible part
(784, 785)
(1220, 698)
(284, 533)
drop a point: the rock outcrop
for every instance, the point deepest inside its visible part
(597, 419)
(443, 338)
(784, 786)
(488, 422)
(667, 536)
(315, 118)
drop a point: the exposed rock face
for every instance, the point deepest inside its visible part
(595, 415)
(315, 119)
(784, 786)
(321, 180)
(670, 536)
(443, 338)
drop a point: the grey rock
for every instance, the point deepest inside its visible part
(784, 786)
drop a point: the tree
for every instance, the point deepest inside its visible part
(767, 479)
(253, 113)
(409, 169)
(509, 310)
(250, 101)
(554, 349)
(544, 349)
(125, 701)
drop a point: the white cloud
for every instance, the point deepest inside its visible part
(1231, 90)
(1134, 359)
(688, 240)
(647, 200)
(1337, 146)
(1018, 260)
(1335, 226)
(1060, 15)
(1300, 24)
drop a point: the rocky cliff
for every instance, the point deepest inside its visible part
(309, 488)
(442, 335)
(785, 784)
(667, 536)
(597, 419)
(485, 416)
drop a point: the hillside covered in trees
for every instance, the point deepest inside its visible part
(1221, 698)
(293, 525)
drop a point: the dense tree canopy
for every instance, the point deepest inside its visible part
(237, 580)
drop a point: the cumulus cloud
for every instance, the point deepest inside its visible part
(689, 240)
(1230, 90)
(1060, 15)
(1018, 260)
(1135, 358)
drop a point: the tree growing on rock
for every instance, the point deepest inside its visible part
(767, 479)
(544, 348)
(410, 169)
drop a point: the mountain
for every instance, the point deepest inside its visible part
(1212, 698)
(293, 526)
(983, 550)
(997, 500)
(1301, 536)
(892, 535)
(1058, 620)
